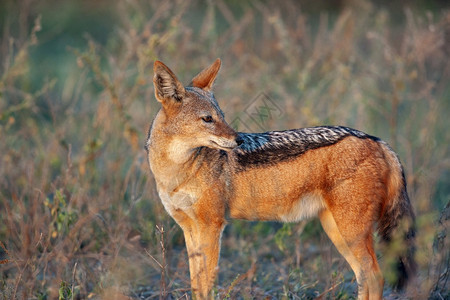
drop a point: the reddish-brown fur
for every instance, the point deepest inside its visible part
(350, 183)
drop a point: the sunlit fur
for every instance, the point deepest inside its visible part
(205, 172)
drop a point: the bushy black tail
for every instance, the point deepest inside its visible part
(397, 229)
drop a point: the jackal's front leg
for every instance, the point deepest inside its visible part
(203, 247)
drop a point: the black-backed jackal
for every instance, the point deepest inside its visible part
(206, 172)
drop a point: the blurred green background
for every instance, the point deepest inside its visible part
(78, 207)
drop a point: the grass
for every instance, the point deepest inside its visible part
(80, 216)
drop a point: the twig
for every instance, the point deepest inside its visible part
(162, 285)
(330, 289)
(240, 277)
(163, 265)
(73, 276)
(16, 286)
(154, 259)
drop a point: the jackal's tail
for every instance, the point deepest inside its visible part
(397, 223)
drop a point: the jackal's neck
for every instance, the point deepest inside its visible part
(170, 159)
(169, 173)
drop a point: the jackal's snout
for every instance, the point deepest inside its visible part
(227, 139)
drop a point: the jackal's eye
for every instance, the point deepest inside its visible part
(207, 119)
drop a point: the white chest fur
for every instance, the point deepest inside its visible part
(177, 200)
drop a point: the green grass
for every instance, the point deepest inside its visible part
(78, 205)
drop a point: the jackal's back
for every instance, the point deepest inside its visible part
(276, 146)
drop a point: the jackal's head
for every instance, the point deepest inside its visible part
(191, 114)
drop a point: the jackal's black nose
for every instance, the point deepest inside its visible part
(239, 140)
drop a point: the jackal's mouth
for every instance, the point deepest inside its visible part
(226, 146)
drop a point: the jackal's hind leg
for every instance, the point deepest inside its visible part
(359, 254)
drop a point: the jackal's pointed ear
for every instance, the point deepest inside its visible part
(205, 79)
(166, 83)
